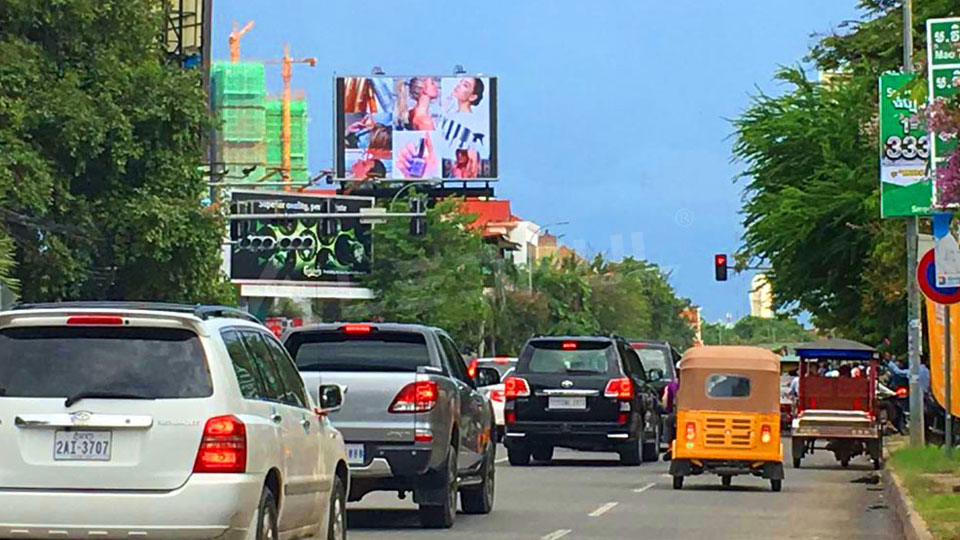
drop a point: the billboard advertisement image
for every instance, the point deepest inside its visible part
(905, 187)
(298, 249)
(416, 128)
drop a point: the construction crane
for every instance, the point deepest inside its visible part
(286, 70)
(234, 40)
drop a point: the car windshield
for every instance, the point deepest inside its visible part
(376, 351)
(159, 363)
(568, 357)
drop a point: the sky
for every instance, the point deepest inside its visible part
(614, 115)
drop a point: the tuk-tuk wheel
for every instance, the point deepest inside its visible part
(726, 480)
(677, 482)
(776, 485)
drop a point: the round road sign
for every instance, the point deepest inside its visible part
(927, 279)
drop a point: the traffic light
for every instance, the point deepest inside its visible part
(418, 224)
(720, 266)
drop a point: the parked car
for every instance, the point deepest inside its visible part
(581, 392)
(161, 421)
(414, 420)
(505, 367)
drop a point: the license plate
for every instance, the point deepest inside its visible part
(356, 454)
(82, 445)
(567, 403)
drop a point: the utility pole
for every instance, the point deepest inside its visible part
(913, 295)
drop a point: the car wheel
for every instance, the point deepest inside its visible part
(543, 453)
(633, 454)
(518, 457)
(796, 463)
(267, 517)
(479, 499)
(726, 480)
(337, 524)
(442, 516)
(677, 482)
(776, 485)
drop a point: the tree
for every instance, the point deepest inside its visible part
(435, 279)
(811, 206)
(757, 331)
(99, 185)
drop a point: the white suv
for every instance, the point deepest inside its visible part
(142, 421)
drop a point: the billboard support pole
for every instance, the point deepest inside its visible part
(948, 390)
(913, 296)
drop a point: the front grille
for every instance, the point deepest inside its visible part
(726, 432)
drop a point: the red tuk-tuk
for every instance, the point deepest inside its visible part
(837, 401)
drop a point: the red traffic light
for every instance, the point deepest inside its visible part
(721, 260)
(720, 266)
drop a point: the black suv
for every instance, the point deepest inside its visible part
(584, 393)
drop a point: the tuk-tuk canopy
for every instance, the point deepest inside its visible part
(727, 378)
(840, 349)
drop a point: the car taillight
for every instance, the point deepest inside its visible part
(514, 387)
(420, 396)
(497, 395)
(902, 392)
(223, 448)
(765, 435)
(621, 389)
(509, 417)
(357, 328)
(569, 345)
(623, 418)
(691, 431)
(500, 361)
(95, 320)
(472, 368)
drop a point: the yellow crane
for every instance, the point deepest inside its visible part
(286, 71)
(234, 40)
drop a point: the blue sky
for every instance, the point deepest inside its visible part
(614, 115)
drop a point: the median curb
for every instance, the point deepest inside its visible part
(913, 526)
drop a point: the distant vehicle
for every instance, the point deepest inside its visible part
(584, 393)
(728, 415)
(161, 421)
(414, 420)
(505, 366)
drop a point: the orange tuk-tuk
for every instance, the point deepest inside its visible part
(728, 415)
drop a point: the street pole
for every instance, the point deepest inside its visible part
(913, 295)
(948, 384)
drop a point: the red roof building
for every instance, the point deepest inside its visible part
(494, 220)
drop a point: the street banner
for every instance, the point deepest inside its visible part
(905, 188)
(415, 128)
(946, 251)
(298, 249)
(936, 315)
(943, 69)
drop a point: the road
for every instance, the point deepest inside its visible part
(591, 497)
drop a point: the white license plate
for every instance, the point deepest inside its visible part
(356, 454)
(567, 403)
(82, 445)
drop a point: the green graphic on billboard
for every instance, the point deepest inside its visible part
(905, 188)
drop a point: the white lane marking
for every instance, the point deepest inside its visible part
(502, 460)
(603, 509)
(557, 534)
(644, 488)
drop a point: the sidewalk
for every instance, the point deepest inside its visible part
(925, 487)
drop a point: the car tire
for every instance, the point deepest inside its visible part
(796, 463)
(632, 455)
(543, 453)
(677, 482)
(651, 449)
(479, 499)
(726, 480)
(442, 516)
(776, 485)
(518, 457)
(267, 526)
(337, 522)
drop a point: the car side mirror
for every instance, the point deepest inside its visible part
(331, 399)
(655, 374)
(487, 376)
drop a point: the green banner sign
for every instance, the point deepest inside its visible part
(905, 189)
(943, 74)
(943, 37)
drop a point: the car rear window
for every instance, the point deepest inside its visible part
(571, 357)
(160, 363)
(654, 359)
(376, 351)
(728, 386)
(504, 368)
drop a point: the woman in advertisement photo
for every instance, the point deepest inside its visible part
(464, 127)
(422, 92)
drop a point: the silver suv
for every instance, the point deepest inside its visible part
(413, 419)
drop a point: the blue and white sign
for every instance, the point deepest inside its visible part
(946, 251)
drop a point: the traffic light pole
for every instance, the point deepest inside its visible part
(913, 294)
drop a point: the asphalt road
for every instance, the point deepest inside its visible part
(590, 496)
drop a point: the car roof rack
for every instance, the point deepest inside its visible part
(201, 311)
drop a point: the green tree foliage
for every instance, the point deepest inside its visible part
(436, 279)
(100, 139)
(811, 208)
(757, 331)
